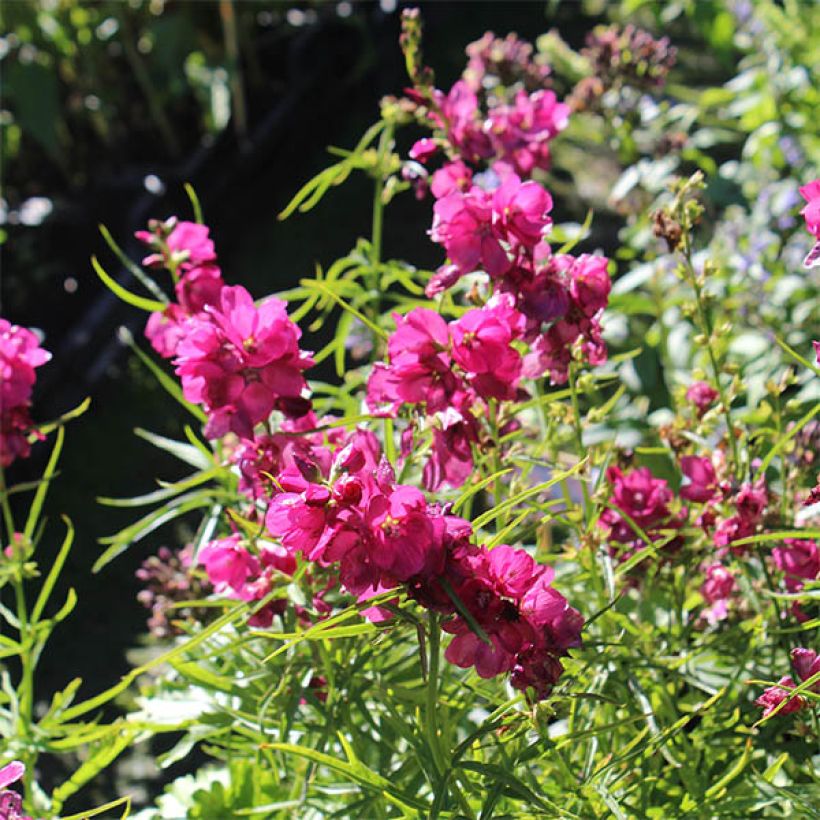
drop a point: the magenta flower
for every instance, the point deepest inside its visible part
(811, 211)
(11, 803)
(807, 665)
(455, 431)
(701, 480)
(775, 695)
(228, 563)
(702, 395)
(520, 133)
(719, 583)
(482, 347)
(645, 500)
(420, 369)
(20, 354)
(520, 210)
(590, 285)
(423, 149)
(799, 560)
(463, 224)
(241, 362)
(454, 176)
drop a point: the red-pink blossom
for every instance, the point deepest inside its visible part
(520, 133)
(701, 480)
(775, 695)
(228, 563)
(520, 210)
(639, 499)
(811, 211)
(799, 560)
(807, 665)
(11, 803)
(453, 176)
(241, 362)
(482, 347)
(20, 354)
(702, 395)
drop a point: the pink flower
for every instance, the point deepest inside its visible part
(702, 395)
(811, 211)
(701, 480)
(11, 803)
(166, 330)
(719, 584)
(420, 370)
(241, 362)
(463, 224)
(20, 354)
(423, 149)
(520, 210)
(199, 287)
(807, 665)
(799, 560)
(455, 431)
(645, 500)
(520, 133)
(454, 176)
(775, 695)
(458, 115)
(482, 346)
(590, 285)
(228, 563)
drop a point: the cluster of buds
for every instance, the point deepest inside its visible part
(499, 65)
(169, 579)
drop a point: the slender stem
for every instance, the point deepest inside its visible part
(706, 329)
(579, 437)
(432, 695)
(8, 518)
(495, 464)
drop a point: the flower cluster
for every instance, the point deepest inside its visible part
(11, 804)
(186, 250)
(498, 111)
(448, 372)
(622, 57)
(241, 362)
(234, 569)
(169, 580)
(717, 590)
(811, 212)
(497, 64)
(806, 664)
(499, 227)
(501, 607)
(640, 505)
(20, 354)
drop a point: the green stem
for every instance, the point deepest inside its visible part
(495, 464)
(706, 329)
(579, 437)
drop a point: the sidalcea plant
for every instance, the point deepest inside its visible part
(482, 571)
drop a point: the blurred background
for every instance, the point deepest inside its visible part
(108, 108)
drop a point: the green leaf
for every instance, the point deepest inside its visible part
(358, 774)
(136, 271)
(184, 452)
(516, 499)
(40, 496)
(166, 381)
(53, 573)
(149, 305)
(196, 207)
